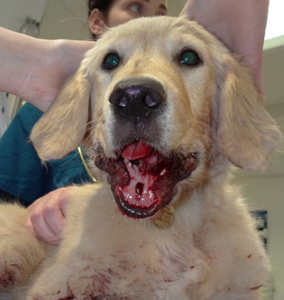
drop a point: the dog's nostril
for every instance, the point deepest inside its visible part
(122, 102)
(152, 102)
(118, 99)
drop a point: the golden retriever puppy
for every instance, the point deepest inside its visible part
(164, 110)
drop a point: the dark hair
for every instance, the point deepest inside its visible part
(102, 5)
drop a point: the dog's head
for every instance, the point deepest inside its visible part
(161, 103)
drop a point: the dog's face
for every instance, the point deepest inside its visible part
(162, 105)
(151, 96)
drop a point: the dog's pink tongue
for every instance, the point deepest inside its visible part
(136, 150)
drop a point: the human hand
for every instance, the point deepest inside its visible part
(47, 215)
(240, 25)
(61, 60)
(35, 69)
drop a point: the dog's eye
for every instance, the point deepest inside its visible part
(190, 58)
(111, 61)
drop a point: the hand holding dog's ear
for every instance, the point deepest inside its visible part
(62, 128)
(35, 69)
(229, 20)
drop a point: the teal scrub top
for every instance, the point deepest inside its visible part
(21, 172)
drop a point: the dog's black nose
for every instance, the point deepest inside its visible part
(137, 99)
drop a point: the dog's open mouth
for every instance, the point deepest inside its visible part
(143, 180)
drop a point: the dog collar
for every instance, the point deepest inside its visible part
(85, 165)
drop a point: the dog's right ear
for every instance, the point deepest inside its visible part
(63, 127)
(247, 135)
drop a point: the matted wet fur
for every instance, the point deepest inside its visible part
(161, 99)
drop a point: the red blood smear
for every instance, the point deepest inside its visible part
(136, 150)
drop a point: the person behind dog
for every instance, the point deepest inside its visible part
(22, 175)
(229, 19)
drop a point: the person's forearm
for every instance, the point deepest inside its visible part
(19, 54)
(35, 69)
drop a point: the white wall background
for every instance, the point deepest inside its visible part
(14, 12)
(66, 19)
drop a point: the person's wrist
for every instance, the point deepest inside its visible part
(69, 54)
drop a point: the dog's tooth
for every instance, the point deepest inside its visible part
(135, 167)
(127, 163)
(163, 172)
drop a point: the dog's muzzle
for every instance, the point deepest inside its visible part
(142, 178)
(138, 107)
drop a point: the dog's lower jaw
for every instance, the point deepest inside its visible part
(143, 181)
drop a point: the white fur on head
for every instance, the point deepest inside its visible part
(245, 133)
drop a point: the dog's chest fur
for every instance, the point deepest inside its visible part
(130, 259)
(142, 272)
(144, 261)
(133, 259)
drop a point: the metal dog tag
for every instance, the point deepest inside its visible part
(165, 218)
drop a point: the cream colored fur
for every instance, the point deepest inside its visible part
(212, 250)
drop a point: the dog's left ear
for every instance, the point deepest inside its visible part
(63, 127)
(246, 133)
